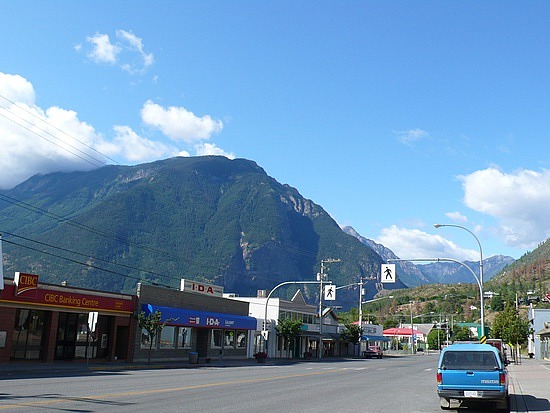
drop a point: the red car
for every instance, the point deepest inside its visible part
(373, 352)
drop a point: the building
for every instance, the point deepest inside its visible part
(200, 322)
(45, 322)
(539, 340)
(311, 338)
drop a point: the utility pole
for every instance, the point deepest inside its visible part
(321, 277)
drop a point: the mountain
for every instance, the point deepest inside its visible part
(437, 272)
(407, 272)
(453, 273)
(203, 218)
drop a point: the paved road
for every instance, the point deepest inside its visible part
(393, 384)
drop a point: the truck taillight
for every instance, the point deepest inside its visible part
(502, 379)
(439, 378)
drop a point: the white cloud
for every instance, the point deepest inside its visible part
(456, 217)
(411, 136)
(138, 149)
(413, 243)
(16, 89)
(204, 149)
(179, 124)
(103, 51)
(36, 140)
(127, 52)
(519, 201)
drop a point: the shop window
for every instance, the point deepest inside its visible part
(28, 334)
(168, 337)
(184, 337)
(217, 336)
(241, 339)
(145, 341)
(229, 338)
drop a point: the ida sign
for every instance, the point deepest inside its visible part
(200, 288)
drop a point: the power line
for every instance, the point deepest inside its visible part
(56, 128)
(83, 263)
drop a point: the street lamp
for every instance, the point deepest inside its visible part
(480, 270)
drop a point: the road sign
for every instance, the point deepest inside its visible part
(387, 274)
(330, 292)
(265, 334)
(92, 320)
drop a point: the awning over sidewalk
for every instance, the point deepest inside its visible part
(194, 318)
(375, 338)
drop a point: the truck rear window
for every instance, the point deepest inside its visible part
(469, 360)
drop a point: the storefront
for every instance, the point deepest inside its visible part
(200, 322)
(44, 322)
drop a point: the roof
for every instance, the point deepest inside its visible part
(398, 331)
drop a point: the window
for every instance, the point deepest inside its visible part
(241, 339)
(28, 334)
(145, 341)
(229, 338)
(184, 337)
(217, 338)
(168, 337)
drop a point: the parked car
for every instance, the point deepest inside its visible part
(373, 352)
(469, 373)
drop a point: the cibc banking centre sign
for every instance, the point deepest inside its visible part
(201, 288)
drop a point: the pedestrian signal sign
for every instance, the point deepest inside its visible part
(388, 273)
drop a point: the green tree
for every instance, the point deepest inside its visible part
(351, 333)
(510, 326)
(433, 341)
(289, 329)
(153, 325)
(461, 333)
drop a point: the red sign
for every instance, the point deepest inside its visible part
(26, 284)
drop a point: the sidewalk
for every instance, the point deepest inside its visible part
(530, 386)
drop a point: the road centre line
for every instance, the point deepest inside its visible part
(157, 391)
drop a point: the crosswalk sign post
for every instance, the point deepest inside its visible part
(387, 274)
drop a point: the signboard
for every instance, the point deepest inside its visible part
(92, 320)
(265, 334)
(330, 292)
(387, 274)
(62, 298)
(25, 284)
(201, 288)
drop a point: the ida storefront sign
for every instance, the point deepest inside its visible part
(201, 288)
(25, 284)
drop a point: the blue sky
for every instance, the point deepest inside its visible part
(392, 115)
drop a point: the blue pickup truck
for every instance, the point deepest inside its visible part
(472, 373)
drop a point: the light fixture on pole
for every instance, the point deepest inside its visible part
(482, 311)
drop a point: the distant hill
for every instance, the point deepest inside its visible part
(452, 273)
(203, 218)
(441, 272)
(407, 272)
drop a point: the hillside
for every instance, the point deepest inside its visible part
(204, 218)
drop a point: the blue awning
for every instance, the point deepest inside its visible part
(375, 338)
(194, 318)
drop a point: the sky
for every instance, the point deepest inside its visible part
(391, 115)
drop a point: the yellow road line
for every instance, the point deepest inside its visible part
(155, 391)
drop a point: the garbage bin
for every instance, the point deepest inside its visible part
(193, 357)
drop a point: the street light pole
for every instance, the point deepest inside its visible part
(482, 311)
